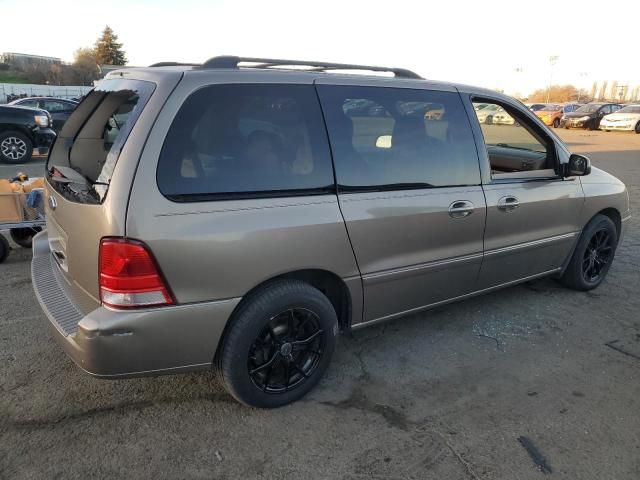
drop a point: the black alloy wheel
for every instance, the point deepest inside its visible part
(277, 344)
(597, 255)
(593, 255)
(287, 351)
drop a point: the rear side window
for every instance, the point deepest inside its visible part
(391, 138)
(246, 140)
(85, 154)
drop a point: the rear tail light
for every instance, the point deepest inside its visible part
(129, 275)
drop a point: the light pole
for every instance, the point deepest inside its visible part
(553, 59)
(622, 91)
(582, 75)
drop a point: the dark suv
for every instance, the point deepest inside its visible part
(21, 130)
(60, 109)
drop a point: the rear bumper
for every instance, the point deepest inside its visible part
(112, 344)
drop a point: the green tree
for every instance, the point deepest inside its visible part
(109, 50)
(85, 66)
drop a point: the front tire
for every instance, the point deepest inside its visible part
(556, 123)
(593, 255)
(278, 345)
(15, 147)
(638, 127)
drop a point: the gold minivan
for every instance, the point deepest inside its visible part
(238, 214)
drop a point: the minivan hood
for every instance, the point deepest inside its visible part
(600, 176)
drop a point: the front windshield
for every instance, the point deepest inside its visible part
(552, 108)
(588, 108)
(630, 109)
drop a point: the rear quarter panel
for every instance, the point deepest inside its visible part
(221, 249)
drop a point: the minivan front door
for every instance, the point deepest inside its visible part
(409, 191)
(532, 213)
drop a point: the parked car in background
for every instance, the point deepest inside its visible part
(627, 118)
(501, 117)
(59, 108)
(21, 130)
(588, 116)
(486, 113)
(534, 107)
(552, 114)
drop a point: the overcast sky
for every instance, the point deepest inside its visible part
(477, 42)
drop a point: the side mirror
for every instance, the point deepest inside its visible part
(578, 165)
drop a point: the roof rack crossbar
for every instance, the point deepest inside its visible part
(229, 61)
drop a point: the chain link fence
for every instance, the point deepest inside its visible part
(12, 91)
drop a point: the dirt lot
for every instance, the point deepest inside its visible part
(482, 389)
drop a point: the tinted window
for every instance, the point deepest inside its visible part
(29, 103)
(399, 137)
(246, 139)
(53, 106)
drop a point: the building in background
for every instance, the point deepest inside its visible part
(21, 60)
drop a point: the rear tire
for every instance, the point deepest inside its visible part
(24, 236)
(263, 359)
(593, 255)
(556, 123)
(15, 147)
(489, 120)
(5, 248)
(638, 127)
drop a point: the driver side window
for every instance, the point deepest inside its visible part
(514, 148)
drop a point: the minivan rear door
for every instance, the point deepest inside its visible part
(409, 190)
(89, 175)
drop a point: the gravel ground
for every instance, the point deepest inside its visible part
(531, 381)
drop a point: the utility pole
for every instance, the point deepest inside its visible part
(553, 59)
(582, 75)
(622, 91)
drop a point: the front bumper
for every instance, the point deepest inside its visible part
(127, 343)
(44, 138)
(571, 123)
(623, 126)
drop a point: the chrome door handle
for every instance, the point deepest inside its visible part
(508, 203)
(461, 209)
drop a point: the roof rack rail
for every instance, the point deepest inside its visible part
(229, 61)
(173, 64)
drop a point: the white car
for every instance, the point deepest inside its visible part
(486, 114)
(627, 118)
(501, 117)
